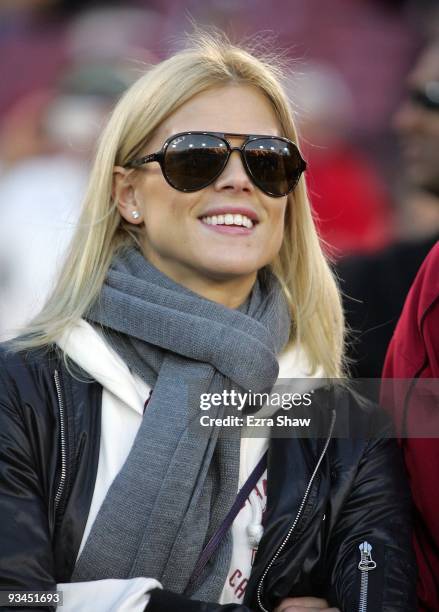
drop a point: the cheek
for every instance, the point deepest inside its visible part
(162, 221)
(278, 237)
(274, 230)
(278, 219)
(165, 209)
(180, 207)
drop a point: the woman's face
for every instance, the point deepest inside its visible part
(176, 237)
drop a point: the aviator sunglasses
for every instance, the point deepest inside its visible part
(191, 161)
(426, 97)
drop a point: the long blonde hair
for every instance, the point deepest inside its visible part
(300, 265)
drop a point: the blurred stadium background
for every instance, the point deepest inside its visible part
(64, 63)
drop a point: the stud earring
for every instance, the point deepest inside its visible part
(135, 214)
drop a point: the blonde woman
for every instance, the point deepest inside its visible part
(196, 258)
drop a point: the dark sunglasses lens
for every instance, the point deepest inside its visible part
(275, 165)
(427, 99)
(193, 161)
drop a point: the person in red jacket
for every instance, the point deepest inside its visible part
(413, 355)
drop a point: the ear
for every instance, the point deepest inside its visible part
(124, 194)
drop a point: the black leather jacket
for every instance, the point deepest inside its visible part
(326, 496)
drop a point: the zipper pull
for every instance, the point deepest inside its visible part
(366, 561)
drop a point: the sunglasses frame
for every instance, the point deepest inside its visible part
(159, 157)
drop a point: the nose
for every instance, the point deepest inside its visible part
(234, 178)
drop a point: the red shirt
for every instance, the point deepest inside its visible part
(414, 354)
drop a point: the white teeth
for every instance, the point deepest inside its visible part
(228, 219)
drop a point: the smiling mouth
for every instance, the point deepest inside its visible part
(229, 219)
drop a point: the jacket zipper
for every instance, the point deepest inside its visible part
(298, 515)
(63, 477)
(366, 564)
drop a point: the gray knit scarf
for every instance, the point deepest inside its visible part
(176, 486)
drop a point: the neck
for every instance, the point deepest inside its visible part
(230, 292)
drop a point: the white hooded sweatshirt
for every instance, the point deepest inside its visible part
(123, 400)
